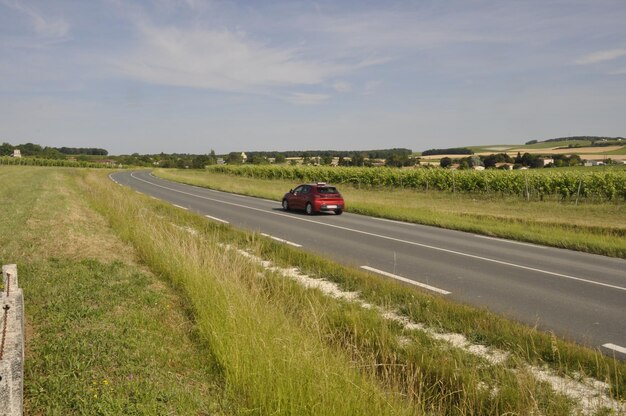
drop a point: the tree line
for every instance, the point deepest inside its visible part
(46, 152)
(527, 160)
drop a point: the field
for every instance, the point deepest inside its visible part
(582, 148)
(136, 307)
(589, 225)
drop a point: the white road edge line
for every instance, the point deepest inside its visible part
(217, 219)
(404, 279)
(281, 240)
(178, 206)
(413, 243)
(615, 348)
(504, 240)
(393, 221)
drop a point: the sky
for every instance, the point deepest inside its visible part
(188, 76)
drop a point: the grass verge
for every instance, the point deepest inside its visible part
(104, 335)
(594, 228)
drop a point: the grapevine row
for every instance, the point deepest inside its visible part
(51, 162)
(567, 184)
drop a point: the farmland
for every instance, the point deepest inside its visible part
(240, 337)
(609, 184)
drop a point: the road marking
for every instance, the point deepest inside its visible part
(155, 198)
(217, 219)
(615, 348)
(509, 241)
(404, 279)
(178, 206)
(394, 221)
(281, 240)
(413, 243)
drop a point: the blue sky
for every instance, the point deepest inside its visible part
(189, 76)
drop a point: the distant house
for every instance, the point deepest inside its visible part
(594, 163)
(17, 153)
(478, 167)
(504, 165)
(244, 157)
(546, 161)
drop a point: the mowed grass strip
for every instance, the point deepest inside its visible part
(104, 335)
(591, 227)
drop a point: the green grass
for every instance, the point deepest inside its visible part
(491, 147)
(562, 143)
(104, 336)
(221, 334)
(621, 151)
(593, 227)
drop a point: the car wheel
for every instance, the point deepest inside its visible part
(285, 205)
(309, 208)
(338, 211)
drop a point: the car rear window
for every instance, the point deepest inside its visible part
(327, 190)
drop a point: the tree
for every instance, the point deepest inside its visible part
(199, 162)
(475, 161)
(358, 159)
(212, 158)
(445, 162)
(234, 158)
(280, 158)
(258, 160)
(6, 149)
(326, 160)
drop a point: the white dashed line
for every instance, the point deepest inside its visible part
(178, 206)
(404, 279)
(615, 348)
(216, 219)
(281, 240)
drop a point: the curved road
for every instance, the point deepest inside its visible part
(576, 295)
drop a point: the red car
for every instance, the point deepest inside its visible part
(314, 197)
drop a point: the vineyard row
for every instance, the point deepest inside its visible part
(567, 184)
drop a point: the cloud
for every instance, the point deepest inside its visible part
(601, 56)
(219, 59)
(44, 26)
(621, 71)
(342, 86)
(307, 98)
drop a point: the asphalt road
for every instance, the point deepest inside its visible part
(581, 297)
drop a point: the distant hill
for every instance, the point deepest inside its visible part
(591, 139)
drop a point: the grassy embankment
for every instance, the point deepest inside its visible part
(103, 334)
(592, 227)
(266, 344)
